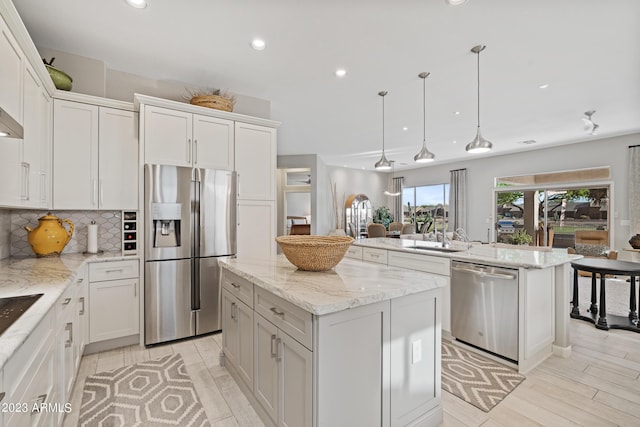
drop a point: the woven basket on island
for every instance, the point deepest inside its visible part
(217, 102)
(314, 253)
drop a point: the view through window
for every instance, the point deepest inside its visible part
(426, 207)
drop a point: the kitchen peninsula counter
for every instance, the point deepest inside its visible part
(49, 276)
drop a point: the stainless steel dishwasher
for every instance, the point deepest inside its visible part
(484, 307)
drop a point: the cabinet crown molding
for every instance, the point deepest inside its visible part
(140, 99)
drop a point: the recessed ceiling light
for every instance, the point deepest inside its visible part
(456, 2)
(455, 142)
(405, 128)
(544, 86)
(457, 113)
(138, 4)
(340, 72)
(258, 44)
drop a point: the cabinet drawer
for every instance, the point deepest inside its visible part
(65, 306)
(428, 263)
(238, 287)
(354, 252)
(374, 255)
(286, 316)
(113, 270)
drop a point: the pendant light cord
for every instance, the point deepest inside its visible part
(478, 89)
(424, 109)
(383, 125)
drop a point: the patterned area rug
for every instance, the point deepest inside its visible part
(476, 379)
(154, 393)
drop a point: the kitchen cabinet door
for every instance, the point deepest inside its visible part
(113, 309)
(11, 172)
(295, 383)
(229, 328)
(256, 229)
(11, 72)
(266, 366)
(167, 136)
(237, 336)
(36, 143)
(75, 159)
(82, 317)
(213, 143)
(255, 155)
(118, 159)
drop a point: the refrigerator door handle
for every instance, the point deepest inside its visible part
(195, 284)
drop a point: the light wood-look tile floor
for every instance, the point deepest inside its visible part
(599, 385)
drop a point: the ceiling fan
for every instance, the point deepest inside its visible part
(589, 125)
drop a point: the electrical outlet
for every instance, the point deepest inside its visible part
(416, 351)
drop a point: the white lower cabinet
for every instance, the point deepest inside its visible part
(237, 339)
(66, 344)
(30, 377)
(113, 300)
(283, 376)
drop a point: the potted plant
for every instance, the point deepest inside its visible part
(383, 216)
(520, 237)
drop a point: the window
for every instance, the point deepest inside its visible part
(427, 207)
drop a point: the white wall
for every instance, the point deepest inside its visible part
(481, 173)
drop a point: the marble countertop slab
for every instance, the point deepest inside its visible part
(503, 255)
(48, 276)
(350, 284)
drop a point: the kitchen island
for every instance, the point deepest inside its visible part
(358, 345)
(543, 284)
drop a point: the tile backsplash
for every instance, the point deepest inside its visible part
(109, 230)
(5, 233)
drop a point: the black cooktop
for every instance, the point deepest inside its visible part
(11, 309)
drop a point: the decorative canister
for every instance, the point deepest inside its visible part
(50, 237)
(635, 241)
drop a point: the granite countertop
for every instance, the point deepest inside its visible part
(48, 276)
(350, 284)
(504, 255)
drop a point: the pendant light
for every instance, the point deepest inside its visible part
(424, 156)
(393, 175)
(479, 144)
(383, 163)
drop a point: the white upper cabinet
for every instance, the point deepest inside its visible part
(11, 71)
(118, 159)
(36, 150)
(180, 138)
(168, 135)
(212, 142)
(255, 150)
(95, 160)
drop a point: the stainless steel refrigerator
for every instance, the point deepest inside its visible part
(190, 222)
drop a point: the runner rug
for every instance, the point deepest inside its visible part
(476, 379)
(152, 393)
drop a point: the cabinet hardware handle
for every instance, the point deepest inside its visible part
(82, 309)
(278, 352)
(277, 312)
(66, 301)
(233, 306)
(189, 150)
(135, 291)
(2, 394)
(43, 187)
(101, 193)
(69, 328)
(36, 404)
(114, 270)
(195, 156)
(274, 353)
(80, 280)
(235, 285)
(94, 190)
(24, 182)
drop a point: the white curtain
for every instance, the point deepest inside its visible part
(458, 199)
(396, 187)
(634, 188)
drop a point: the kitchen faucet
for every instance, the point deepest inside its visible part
(445, 241)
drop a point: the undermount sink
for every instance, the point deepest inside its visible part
(436, 249)
(11, 308)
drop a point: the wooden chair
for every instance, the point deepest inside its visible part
(300, 229)
(408, 229)
(376, 230)
(395, 226)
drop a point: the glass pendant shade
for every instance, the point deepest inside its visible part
(424, 155)
(383, 164)
(479, 144)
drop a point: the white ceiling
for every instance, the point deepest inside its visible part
(587, 51)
